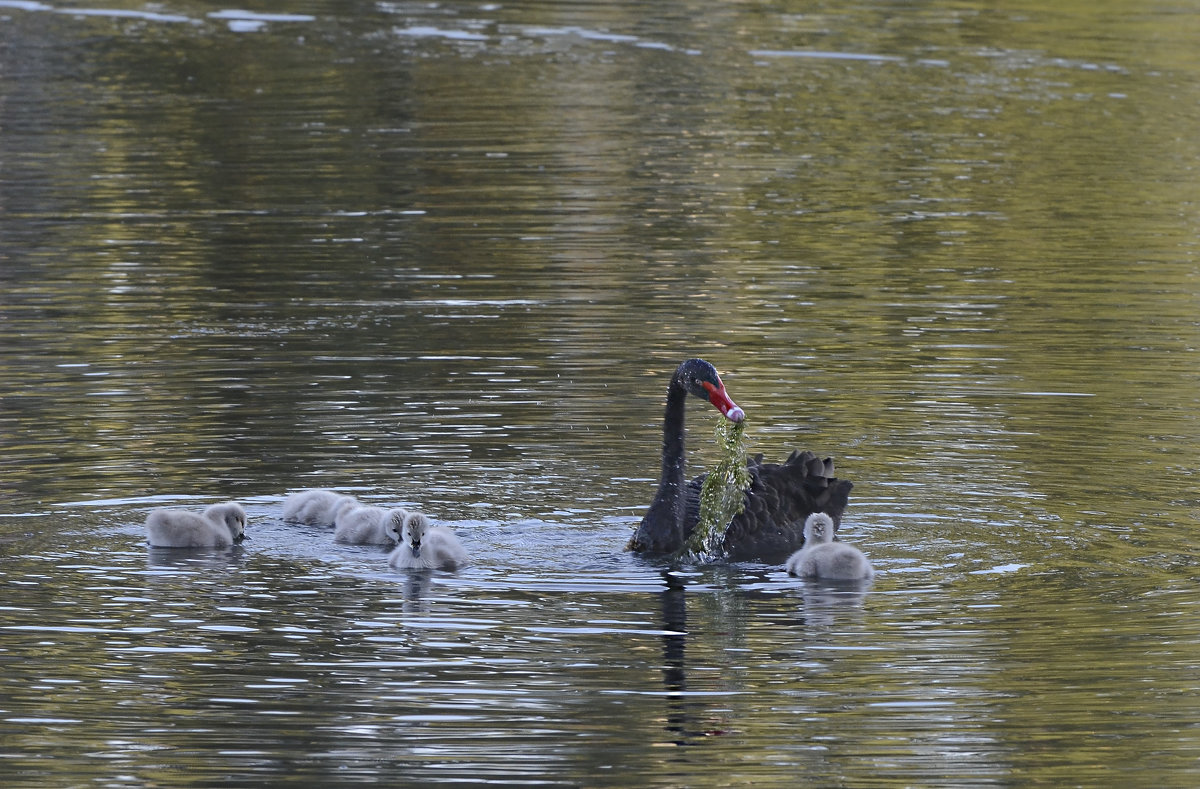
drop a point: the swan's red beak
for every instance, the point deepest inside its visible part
(729, 409)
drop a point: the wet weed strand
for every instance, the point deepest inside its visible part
(723, 494)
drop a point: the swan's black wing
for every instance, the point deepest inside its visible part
(780, 497)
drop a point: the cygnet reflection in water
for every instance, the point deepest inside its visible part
(822, 558)
(316, 507)
(364, 524)
(424, 546)
(219, 526)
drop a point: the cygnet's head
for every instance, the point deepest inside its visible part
(232, 515)
(393, 523)
(415, 526)
(818, 528)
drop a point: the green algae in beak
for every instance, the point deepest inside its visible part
(723, 494)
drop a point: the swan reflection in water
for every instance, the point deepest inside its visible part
(828, 602)
(674, 668)
(417, 586)
(687, 717)
(195, 560)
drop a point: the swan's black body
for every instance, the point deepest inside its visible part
(780, 497)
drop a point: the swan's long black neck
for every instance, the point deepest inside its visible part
(669, 506)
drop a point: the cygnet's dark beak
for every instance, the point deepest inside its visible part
(416, 548)
(238, 539)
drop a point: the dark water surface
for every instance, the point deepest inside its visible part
(446, 255)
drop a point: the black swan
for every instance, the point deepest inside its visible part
(364, 524)
(219, 526)
(780, 497)
(821, 557)
(316, 507)
(424, 546)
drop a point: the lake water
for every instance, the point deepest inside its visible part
(446, 255)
